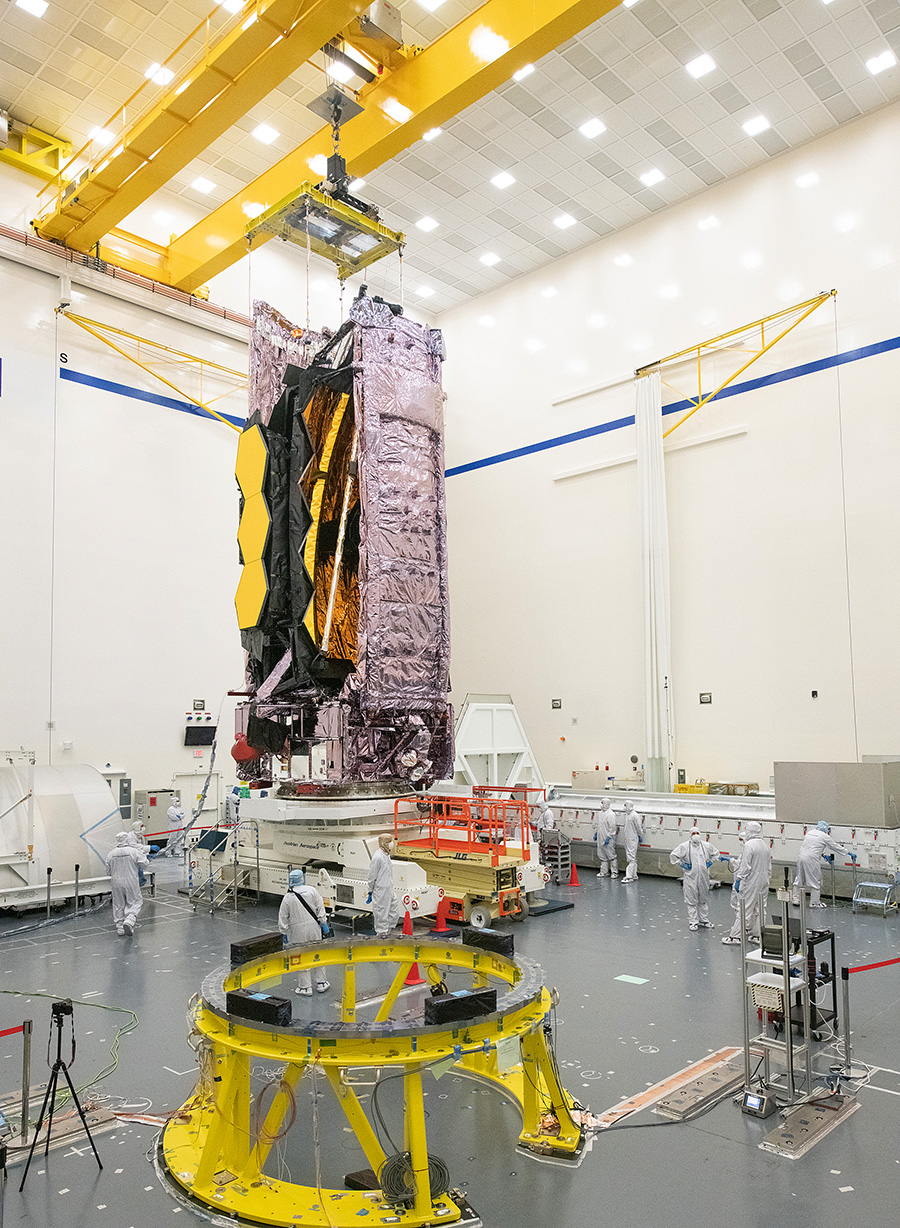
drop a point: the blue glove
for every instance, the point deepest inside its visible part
(686, 865)
(853, 858)
(369, 898)
(829, 857)
(708, 864)
(595, 835)
(737, 886)
(326, 930)
(606, 841)
(724, 857)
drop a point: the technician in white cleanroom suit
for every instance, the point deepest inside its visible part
(546, 819)
(817, 844)
(303, 919)
(695, 856)
(634, 834)
(605, 835)
(752, 872)
(175, 819)
(122, 867)
(385, 909)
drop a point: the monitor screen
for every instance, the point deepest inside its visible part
(199, 735)
(752, 1102)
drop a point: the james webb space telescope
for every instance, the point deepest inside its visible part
(342, 601)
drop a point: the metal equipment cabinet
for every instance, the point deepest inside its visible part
(817, 978)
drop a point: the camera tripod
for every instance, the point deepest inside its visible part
(59, 1010)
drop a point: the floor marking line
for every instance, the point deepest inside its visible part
(875, 1088)
(180, 1073)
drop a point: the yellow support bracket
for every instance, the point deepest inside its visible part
(165, 354)
(38, 153)
(782, 322)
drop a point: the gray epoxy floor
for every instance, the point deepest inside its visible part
(613, 1040)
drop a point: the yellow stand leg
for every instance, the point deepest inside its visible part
(349, 1102)
(416, 1140)
(271, 1127)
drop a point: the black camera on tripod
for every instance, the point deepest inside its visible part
(61, 1008)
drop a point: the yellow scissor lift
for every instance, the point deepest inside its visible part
(213, 1152)
(476, 848)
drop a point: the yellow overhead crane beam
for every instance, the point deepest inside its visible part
(204, 102)
(465, 64)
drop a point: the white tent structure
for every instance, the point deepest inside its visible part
(492, 747)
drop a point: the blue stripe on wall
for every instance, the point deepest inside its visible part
(733, 390)
(138, 394)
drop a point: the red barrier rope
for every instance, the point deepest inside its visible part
(867, 967)
(12, 1031)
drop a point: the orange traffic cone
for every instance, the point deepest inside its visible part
(440, 925)
(413, 977)
(573, 877)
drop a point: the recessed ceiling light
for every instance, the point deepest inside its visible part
(163, 219)
(252, 208)
(597, 320)
(37, 8)
(756, 125)
(670, 291)
(564, 221)
(879, 63)
(486, 45)
(846, 222)
(701, 66)
(265, 133)
(489, 258)
(339, 71)
(202, 185)
(430, 5)
(427, 224)
(318, 165)
(156, 72)
(623, 260)
(356, 185)
(549, 292)
(752, 260)
(592, 128)
(431, 134)
(708, 223)
(486, 321)
(534, 345)
(652, 177)
(424, 291)
(524, 72)
(231, 6)
(396, 110)
(629, 4)
(101, 134)
(807, 180)
(503, 180)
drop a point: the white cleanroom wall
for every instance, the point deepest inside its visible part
(766, 586)
(118, 556)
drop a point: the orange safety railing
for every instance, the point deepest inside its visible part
(450, 826)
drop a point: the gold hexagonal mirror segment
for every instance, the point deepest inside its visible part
(252, 458)
(250, 598)
(253, 531)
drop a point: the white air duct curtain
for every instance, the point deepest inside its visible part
(655, 574)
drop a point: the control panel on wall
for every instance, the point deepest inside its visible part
(199, 728)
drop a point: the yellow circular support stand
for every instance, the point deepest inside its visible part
(215, 1148)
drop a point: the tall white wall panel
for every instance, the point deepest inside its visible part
(545, 569)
